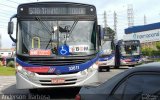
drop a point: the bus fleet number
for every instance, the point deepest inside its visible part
(73, 68)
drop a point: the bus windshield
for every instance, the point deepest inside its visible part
(49, 35)
(130, 50)
(106, 48)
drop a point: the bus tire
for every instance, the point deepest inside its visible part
(33, 91)
(99, 69)
(108, 69)
(131, 65)
(116, 67)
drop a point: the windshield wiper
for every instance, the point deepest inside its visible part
(46, 28)
(42, 23)
(72, 28)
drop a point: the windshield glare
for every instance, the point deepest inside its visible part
(128, 50)
(49, 35)
(106, 47)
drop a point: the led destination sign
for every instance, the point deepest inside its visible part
(55, 10)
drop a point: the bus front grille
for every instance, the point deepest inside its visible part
(56, 73)
(58, 61)
(59, 84)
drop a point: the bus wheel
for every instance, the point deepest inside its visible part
(108, 69)
(33, 91)
(131, 65)
(99, 69)
(116, 67)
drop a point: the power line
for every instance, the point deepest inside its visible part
(5, 13)
(3, 26)
(13, 1)
(8, 6)
(3, 19)
(30, 0)
(9, 10)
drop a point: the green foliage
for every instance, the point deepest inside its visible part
(147, 51)
(109, 32)
(158, 46)
(7, 71)
(143, 50)
(11, 64)
(155, 53)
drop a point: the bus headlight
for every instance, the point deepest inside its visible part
(84, 72)
(21, 70)
(93, 68)
(25, 72)
(31, 74)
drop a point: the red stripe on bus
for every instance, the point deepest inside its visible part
(37, 69)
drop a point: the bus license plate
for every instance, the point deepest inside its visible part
(57, 80)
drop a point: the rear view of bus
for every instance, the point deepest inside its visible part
(56, 45)
(130, 54)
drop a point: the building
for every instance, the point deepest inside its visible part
(7, 53)
(148, 35)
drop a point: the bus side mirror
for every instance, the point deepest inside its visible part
(10, 28)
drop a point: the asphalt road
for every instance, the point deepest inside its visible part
(8, 86)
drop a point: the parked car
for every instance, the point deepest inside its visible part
(139, 83)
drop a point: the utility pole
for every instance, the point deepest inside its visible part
(106, 34)
(145, 20)
(115, 25)
(105, 20)
(105, 23)
(130, 15)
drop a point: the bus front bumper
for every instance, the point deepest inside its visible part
(45, 81)
(123, 63)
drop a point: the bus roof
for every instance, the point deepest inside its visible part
(66, 3)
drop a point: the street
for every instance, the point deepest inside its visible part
(8, 86)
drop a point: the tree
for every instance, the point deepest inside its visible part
(109, 33)
(147, 51)
(158, 46)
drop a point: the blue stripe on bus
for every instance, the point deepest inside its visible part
(62, 69)
(106, 58)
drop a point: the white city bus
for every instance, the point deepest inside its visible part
(57, 45)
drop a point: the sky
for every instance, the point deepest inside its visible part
(149, 8)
